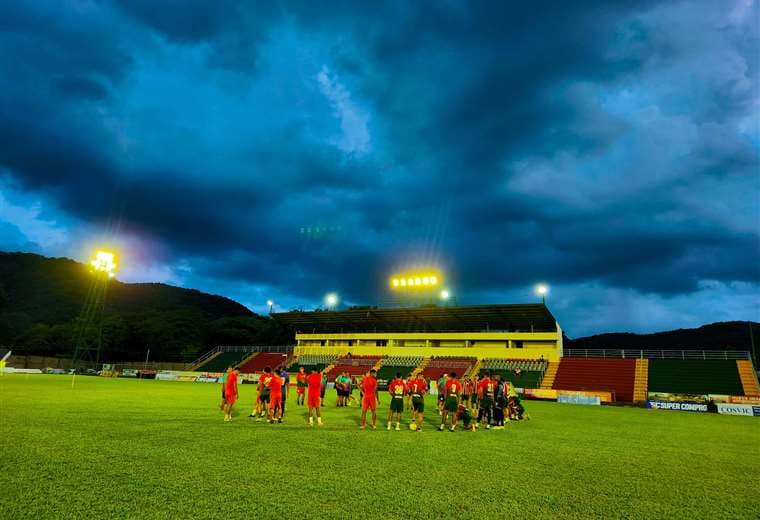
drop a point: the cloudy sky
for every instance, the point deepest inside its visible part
(286, 149)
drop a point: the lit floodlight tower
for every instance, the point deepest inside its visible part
(416, 286)
(270, 304)
(331, 300)
(542, 290)
(89, 339)
(445, 295)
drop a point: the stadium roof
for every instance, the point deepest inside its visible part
(476, 318)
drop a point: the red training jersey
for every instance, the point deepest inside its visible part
(275, 385)
(486, 387)
(453, 387)
(301, 379)
(397, 388)
(315, 383)
(417, 387)
(230, 386)
(369, 386)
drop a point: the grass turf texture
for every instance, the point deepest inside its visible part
(128, 448)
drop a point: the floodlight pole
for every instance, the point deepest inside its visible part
(89, 339)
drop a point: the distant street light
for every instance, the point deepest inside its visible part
(542, 290)
(331, 300)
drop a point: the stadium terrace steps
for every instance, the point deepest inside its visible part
(692, 376)
(641, 383)
(440, 366)
(258, 363)
(475, 369)
(421, 367)
(549, 375)
(205, 361)
(246, 360)
(597, 374)
(222, 362)
(748, 378)
(526, 378)
(353, 366)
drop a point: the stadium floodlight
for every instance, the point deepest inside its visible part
(415, 280)
(331, 300)
(104, 263)
(445, 295)
(542, 290)
(270, 304)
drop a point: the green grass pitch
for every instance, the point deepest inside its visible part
(150, 449)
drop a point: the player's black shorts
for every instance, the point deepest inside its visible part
(264, 398)
(418, 404)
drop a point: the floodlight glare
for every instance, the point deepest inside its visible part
(103, 262)
(270, 303)
(426, 280)
(417, 281)
(433, 280)
(445, 295)
(403, 283)
(410, 282)
(395, 282)
(542, 289)
(331, 300)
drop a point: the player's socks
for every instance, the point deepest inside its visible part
(441, 428)
(398, 426)
(452, 429)
(319, 421)
(389, 425)
(311, 421)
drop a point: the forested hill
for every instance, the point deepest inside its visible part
(41, 297)
(727, 335)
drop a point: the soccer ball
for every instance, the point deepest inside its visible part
(413, 426)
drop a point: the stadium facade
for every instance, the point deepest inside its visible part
(518, 331)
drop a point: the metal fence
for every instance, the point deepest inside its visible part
(655, 354)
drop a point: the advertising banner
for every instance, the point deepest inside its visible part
(166, 376)
(129, 372)
(206, 379)
(579, 399)
(540, 393)
(739, 409)
(685, 398)
(605, 397)
(187, 378)
(677, 405)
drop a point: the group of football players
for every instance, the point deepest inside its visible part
(475, 401)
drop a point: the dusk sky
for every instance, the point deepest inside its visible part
(284, 150)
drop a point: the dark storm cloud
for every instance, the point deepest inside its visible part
(575, 143)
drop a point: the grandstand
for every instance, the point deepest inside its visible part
(521, 373)
(597, 374)
(524, 331)
(316, 362)
(693, 376)
(439, 366)
(257, 362)
(222, 361)
(352, 365)
(394, 364)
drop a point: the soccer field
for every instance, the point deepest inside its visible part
(129, 448)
